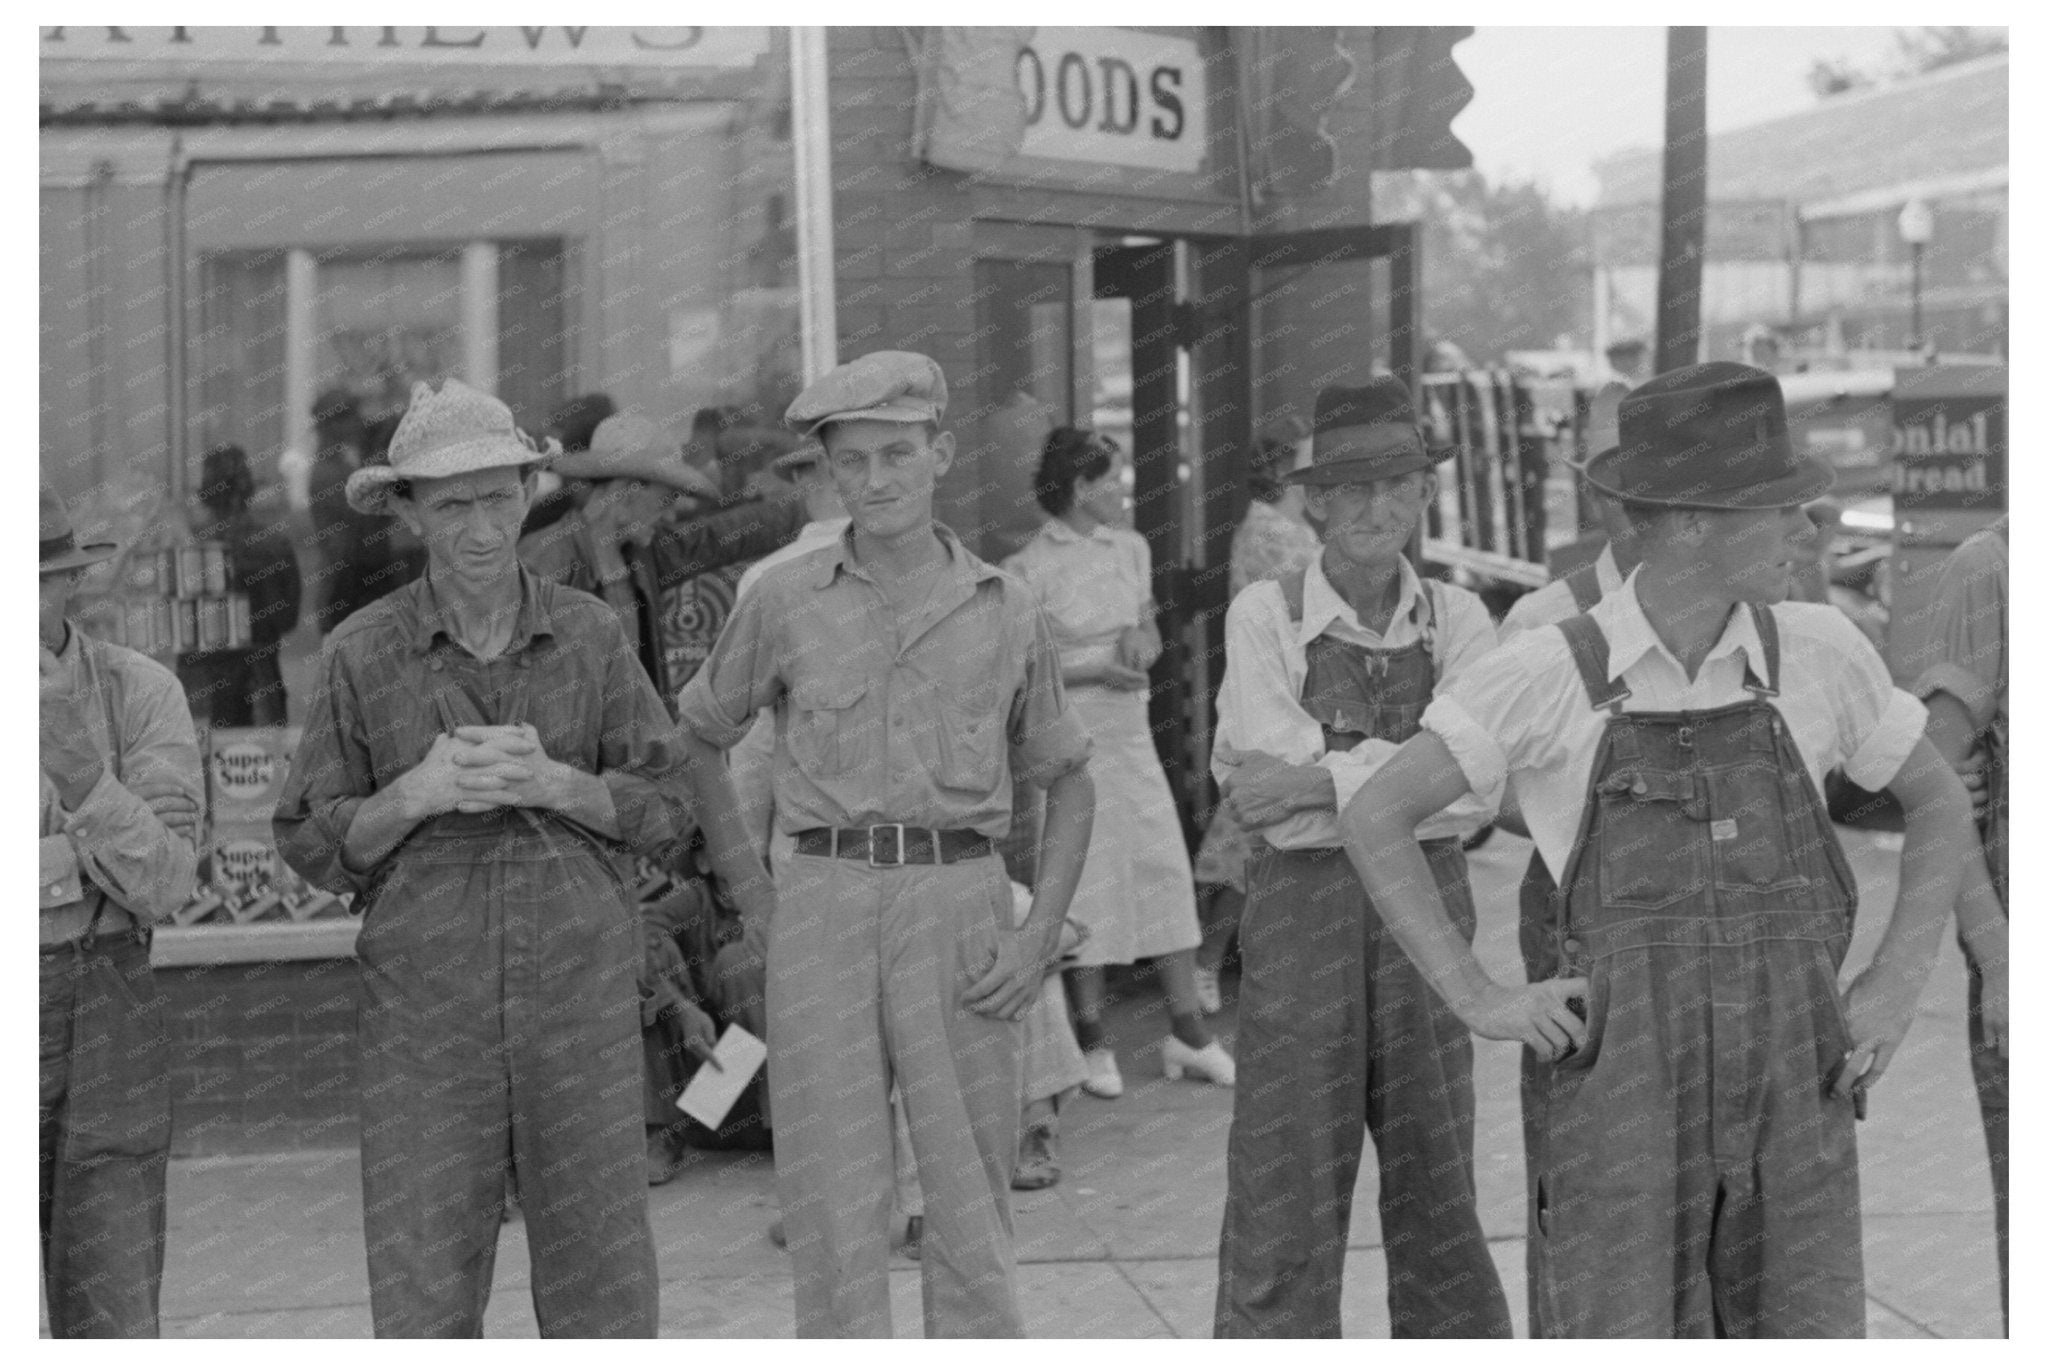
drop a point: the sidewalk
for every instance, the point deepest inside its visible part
(1125, 1245)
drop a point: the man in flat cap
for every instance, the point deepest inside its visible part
(1328, 668)
(482, 752)
(119, 841)
(1694, 1135)
(908, 679)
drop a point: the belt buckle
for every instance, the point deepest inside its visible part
(872, 829)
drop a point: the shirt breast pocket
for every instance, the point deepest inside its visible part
(969, 746)
(827, 727)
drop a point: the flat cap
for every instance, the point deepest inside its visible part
(882, 386)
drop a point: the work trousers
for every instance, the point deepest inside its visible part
(500, 1026)
(103, 1121)
(1338, 1034)
(865, 971)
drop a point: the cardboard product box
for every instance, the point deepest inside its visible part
(207, 903)
(240, 854)
(245, 772)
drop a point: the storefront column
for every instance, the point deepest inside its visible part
(480, 315)
(811, 131)
(301, 347)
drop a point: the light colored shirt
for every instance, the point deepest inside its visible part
(1093, 587)
(113, 851)
(814, 535)
(1267, 544)
(1553, 602)
(1266, 665)
(877, 724)
(1966, 651)
(1524, 717)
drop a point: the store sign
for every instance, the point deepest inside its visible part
(535, 45)
(1949, 443)
(1017, 99)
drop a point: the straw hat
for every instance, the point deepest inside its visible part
(60, 551)
(456, 431)
(627, 445)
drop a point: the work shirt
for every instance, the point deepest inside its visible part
(1259, 705)
(113, 853)
(1093, 587)
(1553, 602)
(877, 727)
(568, 672)
(1967, 650)
(1525, 717)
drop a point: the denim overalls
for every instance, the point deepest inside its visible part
(1338, 1032)
(1691, 1176)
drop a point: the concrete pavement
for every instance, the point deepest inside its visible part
(1125, 1245)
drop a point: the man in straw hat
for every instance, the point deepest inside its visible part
(1328, 668)
(908, 680)
(482, 747)
(1695, 1127)
(118, 844)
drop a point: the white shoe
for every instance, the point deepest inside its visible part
(1211, 1064)
(1209, 990)
(1104, 1080)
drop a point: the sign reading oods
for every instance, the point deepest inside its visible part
(523, 45)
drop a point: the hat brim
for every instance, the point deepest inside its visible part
(1357, 471)
(80, 557)
(648, 467)
(1809, 478)
(888, 412)
(369, 488)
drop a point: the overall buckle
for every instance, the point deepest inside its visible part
(873, 830)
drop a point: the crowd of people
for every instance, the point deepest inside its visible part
(504, 725)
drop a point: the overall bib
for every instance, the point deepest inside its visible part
(1339, 1033)
(500, 1026)
(1692, 1177)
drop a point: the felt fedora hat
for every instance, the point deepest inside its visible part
(456, 431)
(59, 551)
(1367, 433)
(1710, 436)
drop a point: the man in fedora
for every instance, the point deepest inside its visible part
(482, 749)
(621, 545)
(1327, 670)
(119, 841)
(1695, 1145)
(908, 681)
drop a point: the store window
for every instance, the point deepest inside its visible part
(1024, 318)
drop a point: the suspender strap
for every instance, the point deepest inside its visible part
(1589, 651)
(1767, 632)
(1584, 583)
(1292, 586)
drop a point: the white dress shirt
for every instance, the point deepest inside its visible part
(1553, 602)
(1525, 716)
(1266, 665)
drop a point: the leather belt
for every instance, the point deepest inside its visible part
(895, 845)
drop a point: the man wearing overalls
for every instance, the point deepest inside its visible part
(907, 679)
(1696, 1152)
(482, 750)
(1328, 670)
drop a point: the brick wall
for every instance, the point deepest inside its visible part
(263, 1055)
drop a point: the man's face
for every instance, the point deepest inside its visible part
(1753, 554)
(53, 594)
(1371, 522)
(886, 472)
(469, 522)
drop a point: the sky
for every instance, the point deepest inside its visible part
(1601, 90)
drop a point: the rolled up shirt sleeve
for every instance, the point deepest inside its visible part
(120, 845)
(640, 761)
(741, 677)
(57, 871)
(1047, 740)
(331, 776)
(1876, 723)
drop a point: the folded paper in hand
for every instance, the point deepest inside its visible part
(709, 1096)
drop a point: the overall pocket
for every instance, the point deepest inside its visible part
(1650, 843)
(1758, 846)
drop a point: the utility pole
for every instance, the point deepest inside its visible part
(1683, 251)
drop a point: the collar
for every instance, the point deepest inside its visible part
(1058, 532)
(430, 615)
(826, 529)
(1606, 572)
(967, 569)
(1321, 603)
(1630, 636)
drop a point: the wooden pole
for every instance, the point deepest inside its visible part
(1685, 198)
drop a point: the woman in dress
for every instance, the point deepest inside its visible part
(1273, 540)
(1093, 575)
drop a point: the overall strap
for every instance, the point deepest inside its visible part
(1292, 587)
(1588, 645)
(1584, 584)
(1767, 632)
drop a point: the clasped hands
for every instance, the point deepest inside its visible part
(483, 767)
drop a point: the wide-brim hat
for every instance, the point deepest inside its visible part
(1711, 436)
(59, 550)
(456, 431)
(1367, 433)
(882, 386)
(627, 445)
